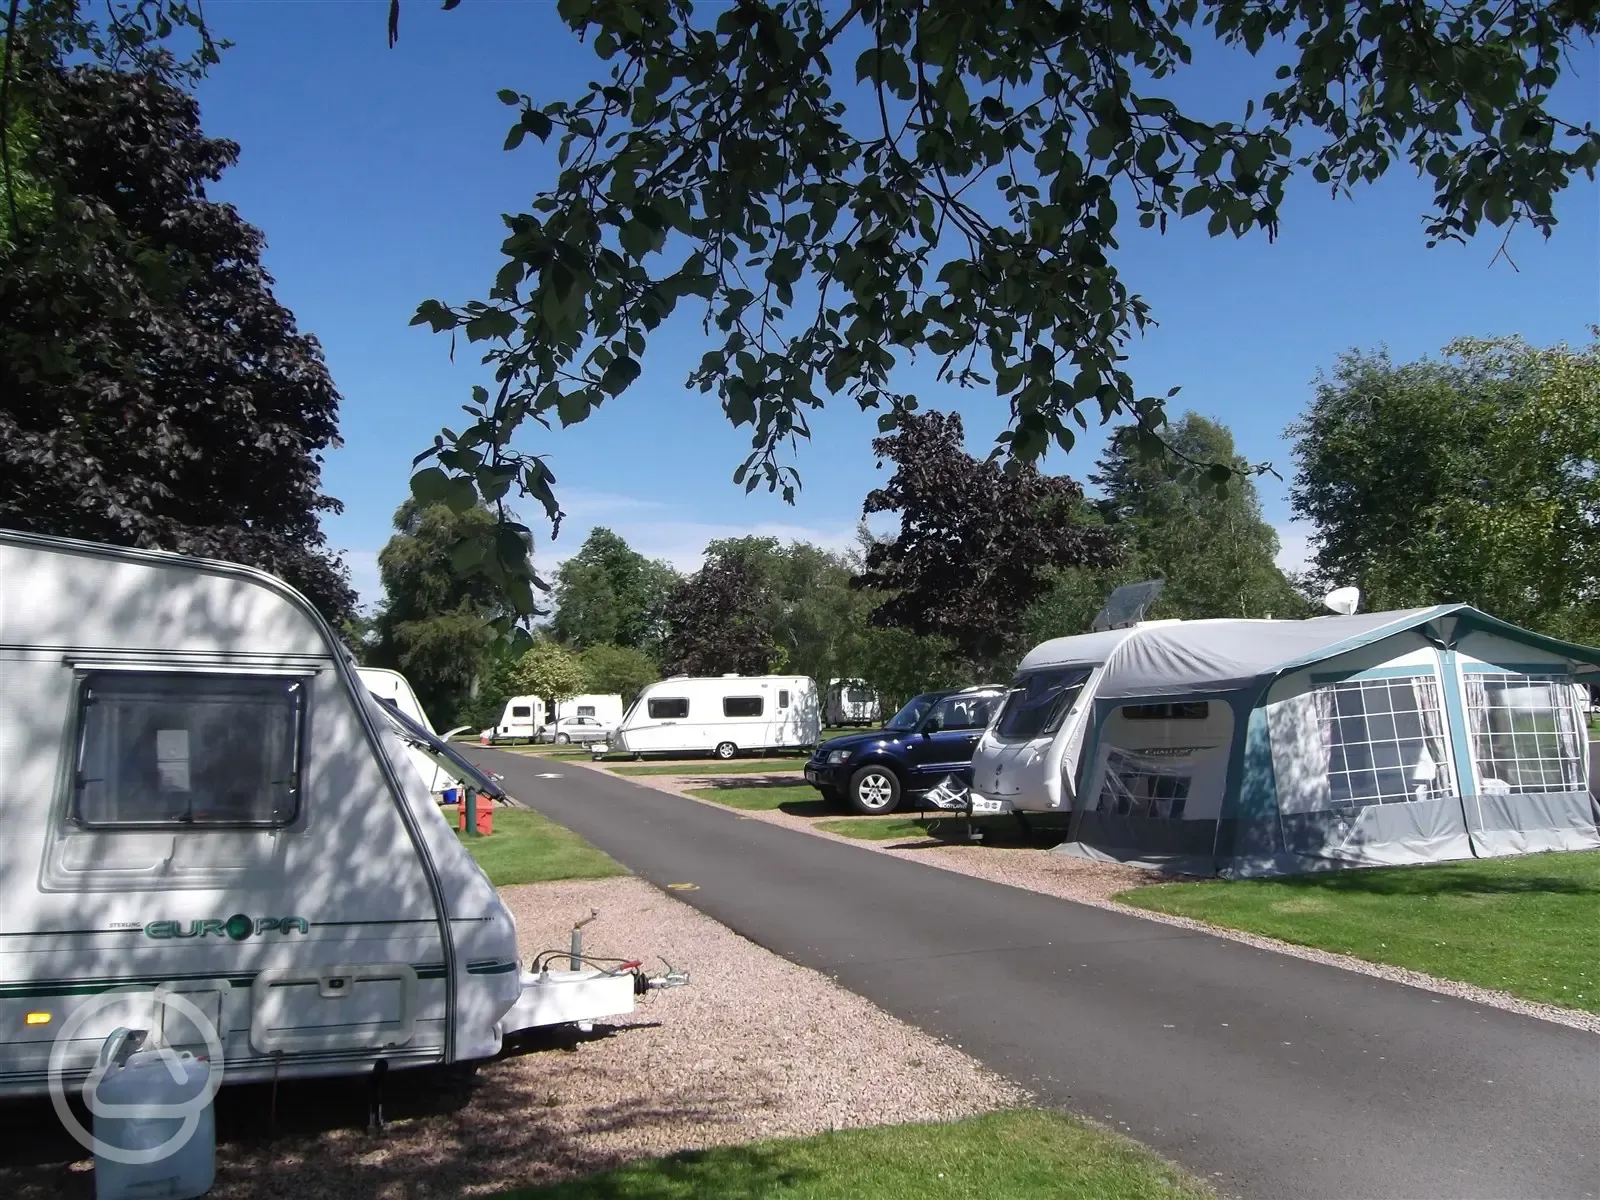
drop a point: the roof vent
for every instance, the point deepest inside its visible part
(1127, 605)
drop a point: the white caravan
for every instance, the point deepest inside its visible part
(605, 709)
(519, 720)
(851, 702)
(724, 716)
(395, 688)
(202, 797)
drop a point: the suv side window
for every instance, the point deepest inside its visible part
(966, 712)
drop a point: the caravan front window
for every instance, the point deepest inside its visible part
(1525, 734)
(185, 749)
(1040, 703)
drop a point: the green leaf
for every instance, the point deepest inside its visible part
(508, 97)
(1217, 224)
(429, 485)
(1103, 141)
(1195, 199)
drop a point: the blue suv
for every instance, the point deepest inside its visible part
(931, 737)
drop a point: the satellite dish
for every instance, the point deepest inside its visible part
(1127, 605)
(1343, 601)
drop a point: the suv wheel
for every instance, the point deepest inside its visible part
(874, 790)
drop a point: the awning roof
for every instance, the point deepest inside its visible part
(1185, 657)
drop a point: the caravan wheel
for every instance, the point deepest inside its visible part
(725, 750)
(874, 790)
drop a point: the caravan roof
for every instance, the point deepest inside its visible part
(1182, 657)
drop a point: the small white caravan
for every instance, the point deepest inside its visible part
(1260, 747)
(394, 688)
(202, 796)
(519, 721)
(725, 716)
(605, 709)
(851, 702)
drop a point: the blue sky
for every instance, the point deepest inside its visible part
(379, 180)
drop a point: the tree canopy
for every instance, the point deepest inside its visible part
(608, 593)
(837, 188)
(153, 392)
(434, 626)
(976, 544)
(1211, 545)
(1474, 478)
(619, 670)
(718, 620)
(549, 671)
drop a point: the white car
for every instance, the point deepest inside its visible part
(567, 730)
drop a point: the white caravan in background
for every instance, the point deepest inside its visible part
(605, 709)
(396, 689)
(202, 796)
(725, 716)
(851, 702)
(521, 718)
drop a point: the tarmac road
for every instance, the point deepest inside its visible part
(1271, 1077)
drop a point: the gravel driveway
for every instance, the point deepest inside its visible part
(754, 1047)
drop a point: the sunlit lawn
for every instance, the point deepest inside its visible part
(1528, 925)
(1003, 1156)
(713, 767)
(527, 848)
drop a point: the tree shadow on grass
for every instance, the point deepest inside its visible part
(729, 783)
(810, 808)
(731, 1173)
(1464, 879)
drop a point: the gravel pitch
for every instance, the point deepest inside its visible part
(754, 1047)
(1098, 883)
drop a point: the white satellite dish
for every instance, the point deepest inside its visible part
(1343, 601)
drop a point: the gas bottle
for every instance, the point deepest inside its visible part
(147, 1103)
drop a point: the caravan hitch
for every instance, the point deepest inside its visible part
(643, 984)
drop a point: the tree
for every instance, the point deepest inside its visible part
(716, 621)
(1211, 545)
(433, 626)
(153, 392)
(608, 593)
(549, 671)
(622, 670)
(976, 543)
(845, 186)
(1475, 478)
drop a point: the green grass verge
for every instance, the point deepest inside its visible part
(1528, 925)
(526, 848)
(1008, 1156)
(875, 829)
(716, 768)
(782, 796)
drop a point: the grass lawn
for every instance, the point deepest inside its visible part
(1527, 925)
(715, 768)
(526, 848)
(762, 797)
(1007, 1156)
(949, 828)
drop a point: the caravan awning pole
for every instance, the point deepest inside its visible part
(472, 812)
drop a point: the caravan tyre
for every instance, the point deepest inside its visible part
(874, 790)
(725, 750)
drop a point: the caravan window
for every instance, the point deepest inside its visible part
(188, 750)
(1385, 740)
(1525, 735)
(1187, 710)
(783, 699)
(1142, 785)
(586, 710)
(521, 710)
(668, 708)
(1040, 703)
(858, 695)
(742, 706)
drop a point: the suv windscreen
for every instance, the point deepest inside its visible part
(912, 715)
(1040, 703)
